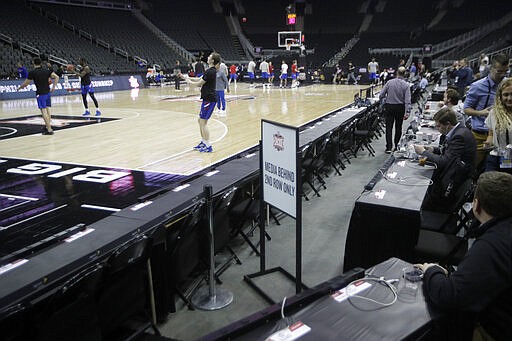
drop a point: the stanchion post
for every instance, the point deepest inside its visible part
(211, 298)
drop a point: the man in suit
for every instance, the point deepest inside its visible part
(456, 144)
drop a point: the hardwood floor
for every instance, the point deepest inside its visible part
(157, 127)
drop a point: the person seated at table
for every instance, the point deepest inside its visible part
(451, 100)
(480, 290)
(456, 153)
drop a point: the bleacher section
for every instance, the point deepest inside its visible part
(402, 16)
(198, 27)
(491, 42)
(472, 14)
(194, 25)
(134, 38)
(334, 17)
(8, 59)
(29, 27)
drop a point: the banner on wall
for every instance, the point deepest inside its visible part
(71, 85)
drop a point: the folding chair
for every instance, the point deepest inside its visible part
(347, 141)
(365, 132)
(448, 243)
(127, 292)
(184, 252)
(247, 209)
(332, 153)
(456, 217)
(71, 312)
(313, 163)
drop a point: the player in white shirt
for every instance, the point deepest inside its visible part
(284, 74)
(251, 67)
(264, 73)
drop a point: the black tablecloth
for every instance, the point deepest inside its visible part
(356, 319)
(385, 221)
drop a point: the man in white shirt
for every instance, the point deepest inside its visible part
(284, 74)
(264, 73)
(373, 67)
(251, 67)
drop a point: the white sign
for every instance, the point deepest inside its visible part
(279, 154)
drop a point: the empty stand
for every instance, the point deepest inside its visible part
(135, 38)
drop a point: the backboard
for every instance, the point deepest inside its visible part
(293, 38)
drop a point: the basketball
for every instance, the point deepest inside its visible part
(70, 67)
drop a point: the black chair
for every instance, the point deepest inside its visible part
(347, 141)
(16, 322)
(313, 163)
(126, 300)
(438, 247)
(333, 154)
(366, 131)
(184, 253)
(245, 210)
(307, 176)
(456, 216)
(71, 313)
(448, 243)
(444, 248)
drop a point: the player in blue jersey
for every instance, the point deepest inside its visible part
(22, 71)
(40, 76)
(86, 86)
(208, 95)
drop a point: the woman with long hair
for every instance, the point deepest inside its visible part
(499, 122)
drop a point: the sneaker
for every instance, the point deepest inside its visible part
(98, 113)
(388, 151)
(205, 149)
(46, 132)
(86, 113)
(200, 146)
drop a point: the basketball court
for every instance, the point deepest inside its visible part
(142, 142)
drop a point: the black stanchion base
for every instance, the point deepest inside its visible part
(249, 279)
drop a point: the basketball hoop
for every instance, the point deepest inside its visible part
(289, 39)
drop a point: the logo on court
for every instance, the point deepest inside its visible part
(278, 142)
(28, 125)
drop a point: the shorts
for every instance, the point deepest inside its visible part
(264, 75)
(283, 76)
(233, 76)
(87, 89)
(43, 101)
(206, 110)
(373, 75)
(251, 75)
(294, 76)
